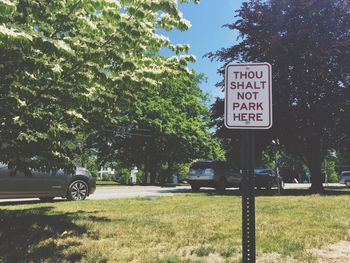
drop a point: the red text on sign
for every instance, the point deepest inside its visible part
(247, 85)
(248, 74)
(247, 117)
(248, 106)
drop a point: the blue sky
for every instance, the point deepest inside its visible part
(207, 34)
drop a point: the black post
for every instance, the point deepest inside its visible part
(247, 146)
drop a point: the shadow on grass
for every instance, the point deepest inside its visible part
(28, 202)
(31, 235)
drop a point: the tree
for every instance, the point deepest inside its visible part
(69, 67)
(170, 128)
(307, 44)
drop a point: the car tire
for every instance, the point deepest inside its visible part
(347, 183)
(77, 190)
(46, 199)
(195, 187)
(221, 187)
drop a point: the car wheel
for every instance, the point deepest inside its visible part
(46, 199)
(195, 187)
(221, 187)
(347, 183)
(77, 190)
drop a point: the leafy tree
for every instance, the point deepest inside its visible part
(331, 171)
(281, 161)
(170, 128)
(69, 67)
(307, 43)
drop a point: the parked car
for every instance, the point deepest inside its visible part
(215, 174)
(221, 175)
(345, 178)
(46, 184)
(267, 178)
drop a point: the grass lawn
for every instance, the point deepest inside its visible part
(183, 228)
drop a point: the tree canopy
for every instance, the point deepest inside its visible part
(170, 126)
(69, 69)
(307, 44)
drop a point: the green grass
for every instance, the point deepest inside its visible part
(178, 229)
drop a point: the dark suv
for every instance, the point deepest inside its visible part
(265, 177)
(217, 174)
(345, 178)
(221, 175)
(46, 184)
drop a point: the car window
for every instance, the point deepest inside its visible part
(212, 165)
(260, 171)
(264, 171)
(346, 174)
(202, 165)
(46, 171)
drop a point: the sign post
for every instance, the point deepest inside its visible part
(248, 106)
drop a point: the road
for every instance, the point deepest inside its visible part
(151, 191)
(137, 191)
(110, 192)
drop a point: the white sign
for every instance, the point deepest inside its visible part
(248, 96)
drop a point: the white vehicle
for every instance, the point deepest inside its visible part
(345, 178)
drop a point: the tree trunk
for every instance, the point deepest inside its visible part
(314, 158)
(145, 176)
(170, 172)
(316, 178)
(153, 173)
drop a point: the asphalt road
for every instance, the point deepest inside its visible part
(151, 191)
(110, 192)
(106, 192)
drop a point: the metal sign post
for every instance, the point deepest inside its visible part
(248, 106)
(248, 195)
